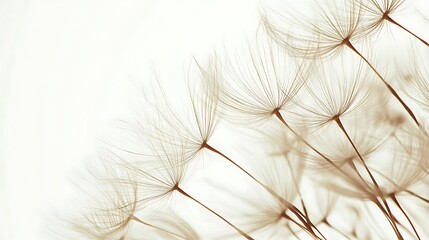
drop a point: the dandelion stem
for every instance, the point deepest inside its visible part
(242, 233)
(272, 192)
(301, 226)
(280, 117)
(403, 189)
(294, 221)
(377, 187)
(341, 126)
(288, 204)
(389, 87)
(309, 225)
(388, 18)
(317, 229)
(403, 227)
(417, 196)
(353, 166)
(304, 208)
(292, 231)
(396, 201)
(327, 223)
(134, 218)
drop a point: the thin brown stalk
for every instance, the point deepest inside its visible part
(335, 31)
(396, 201)
(241, 232)
(374, 199)
(272, 192)
(388, 18)
(301, 216)
(280, 117)
(302, 227)
(308, 224)
(292, 231)
(134, 218)
(327, 223)
(403, 227)
(299, 194)
(401, 189)
(417, 196)
(347, 42)
(377, 187)
(371, 196)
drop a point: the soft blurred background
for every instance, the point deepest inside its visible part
(66, 68)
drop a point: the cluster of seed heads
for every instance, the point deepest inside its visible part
(329, 138)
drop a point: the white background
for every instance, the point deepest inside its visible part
(65, 71)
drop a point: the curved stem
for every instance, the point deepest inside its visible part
(417, 196)
(389, 87)
(395, 200)
(377, 187)
(272, 192)
(300, 226)
(325, 221)
(388, 18)
(242, 233)
(292, 231)
(373, 198)
(134, 218)
(288, 204)
(347, 176)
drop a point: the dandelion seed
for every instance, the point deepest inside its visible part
(264, 216)
(116, 217)
(333, 144)
(334, 93)
(111, 221)
(335, 28)
(377, 12)
(259, 83)
(404, 160)
(162, 181)
(325, 206)
(169, 129)
(157, 183)
(414, 76)
(332, 104)
(169, 221)
(173, 227)
(337, 140)
(164, 142)
(261, 215)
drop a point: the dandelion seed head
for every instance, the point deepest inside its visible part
(257, 84)
(333, 93)
(333, 25)
(403, 160)
(111, 217)
(414, 76)
(377, 12)
(260, 214)
(164, 130)
(334, 145)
